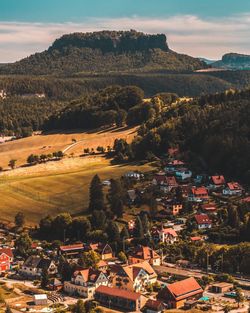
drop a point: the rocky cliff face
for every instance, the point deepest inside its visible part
(112, 41)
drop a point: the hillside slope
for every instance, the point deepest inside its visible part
(106, 51)
(233, 61)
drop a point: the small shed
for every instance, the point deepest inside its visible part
(221, 287)
(41, 299)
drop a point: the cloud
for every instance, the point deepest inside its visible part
(186, 34)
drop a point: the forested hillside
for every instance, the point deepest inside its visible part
(212, 131)
(106, 51)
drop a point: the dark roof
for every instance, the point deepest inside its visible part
(154, 305)
(120, 293)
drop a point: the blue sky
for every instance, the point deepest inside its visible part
(205, 28)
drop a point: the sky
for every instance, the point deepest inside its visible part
(201, 28)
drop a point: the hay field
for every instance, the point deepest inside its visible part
(48, 143)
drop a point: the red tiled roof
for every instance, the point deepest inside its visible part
(195, 238)
(247, 199)
(120, 293)
(176, 162)
(170, 231)
(234, 186)
(145, 253)
(199, 191)
(202, 219)
(209, 207)
(7, 251)
(184, 288)
(218, 180)
(78, 246)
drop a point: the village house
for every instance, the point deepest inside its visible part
(55, 285)
(134, 175)
(165, 235)
(142, 253)
(71, 250)
(233, 189)
(203, 221)
(183, 174)
(103, 249)
(217, 181)
(134, 277)
(172, 207)
(175, 295)
(6, 258)
(3, 94)
(154, 306)
(198, 194)
(209, 207)
(131, 196)
(174, 165)
(32, 268)
(120, 299)
(166, 183)
(84, 283)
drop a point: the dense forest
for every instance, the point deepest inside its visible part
(212, 131)
(104, 51)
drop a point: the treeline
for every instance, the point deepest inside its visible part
(112, 105)
(213, 132)
(20, 117)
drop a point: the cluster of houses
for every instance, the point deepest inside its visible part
(125, 285)
(112, 283)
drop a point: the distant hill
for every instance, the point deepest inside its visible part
(233, 61)
(105, 51)
(207, 61)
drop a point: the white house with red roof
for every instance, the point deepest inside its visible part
(198, 194)
(6, 258)
(203, 221)
(233, 189)
(84, 282)
(165, 235)
(144, 253)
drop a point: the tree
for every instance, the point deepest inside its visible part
(113, 232)
(80, 228)
(33, 159)
(23, 244)
(96, 197)
(19, 220)
(79, 307)
(124, 233)
(239, 296)
(116, 197)
(122, 257)
(90, 259)
(12, 163)
(61, 224)
(227, 308)
(233, 217)
(138, 230)
(98, 219)
(145, 223)
(44, 277)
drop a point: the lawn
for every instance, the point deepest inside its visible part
(54, 187)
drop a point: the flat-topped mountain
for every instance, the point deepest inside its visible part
(105, 51)
(234, 61)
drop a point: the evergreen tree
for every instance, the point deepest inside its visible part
(44, 278)
(145, 224)
(124, 233)
(138, 230)
(113, 232)
(23, 244)
(96, 197)
(233, 217)
(79, 307)
(19, 220)
(98, 219)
